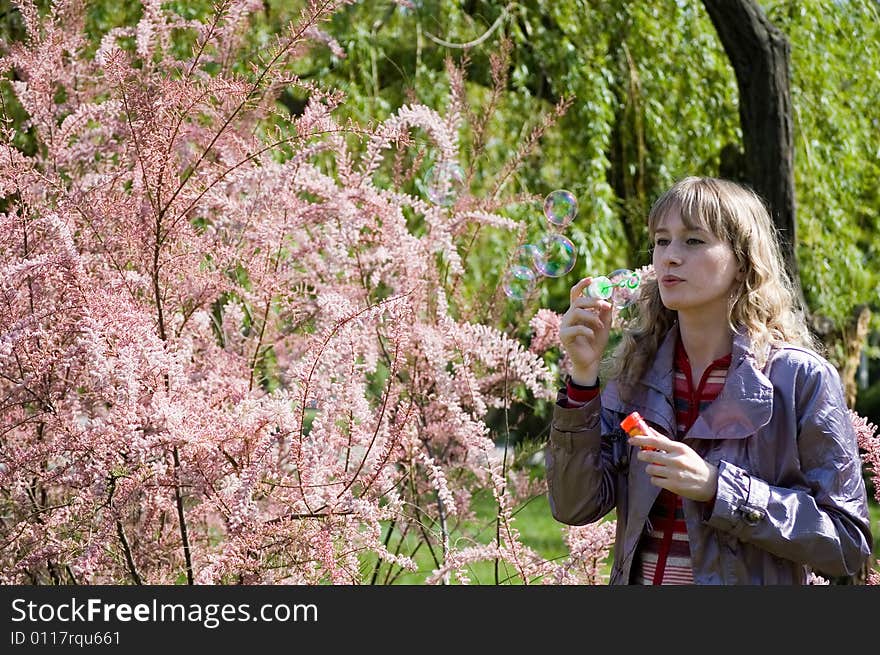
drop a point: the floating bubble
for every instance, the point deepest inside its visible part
(560, 207)
(621, 286)
(444, 182)
(519, 282)
(555, 255)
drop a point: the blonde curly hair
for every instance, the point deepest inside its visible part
(763, 306)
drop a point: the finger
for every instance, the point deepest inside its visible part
(657, 471)
(654, 440)
(592, 312)
(586, 317)
(586, 302)
(569, 333)
(660, 482)
(654, 456)
(650, 434)
(578, 288)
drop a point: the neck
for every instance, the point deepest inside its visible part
(704, 339)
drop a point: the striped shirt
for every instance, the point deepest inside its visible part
(663, 555)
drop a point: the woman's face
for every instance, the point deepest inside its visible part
(695, 269)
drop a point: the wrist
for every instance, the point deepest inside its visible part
(586, 377)
(572, 385)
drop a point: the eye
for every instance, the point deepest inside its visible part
(661, 241)
(695, 242)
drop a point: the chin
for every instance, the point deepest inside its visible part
(670, 303)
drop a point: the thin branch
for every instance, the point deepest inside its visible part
(127, 550)
(470, 44)
(182, 519)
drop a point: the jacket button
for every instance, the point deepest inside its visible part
(752, 516)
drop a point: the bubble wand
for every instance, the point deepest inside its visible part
(621, 286)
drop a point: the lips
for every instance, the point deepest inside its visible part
(670, 280)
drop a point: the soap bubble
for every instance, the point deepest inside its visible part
(444, 182)
(518, 282)
(555, 255)
(560, 207)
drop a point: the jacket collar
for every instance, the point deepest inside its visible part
(659, 376)
(744, 405)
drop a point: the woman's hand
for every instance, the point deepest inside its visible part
(677, 467)
(583, 332)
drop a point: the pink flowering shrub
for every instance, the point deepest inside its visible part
(588, 546)
(869, 445)
(226, 348)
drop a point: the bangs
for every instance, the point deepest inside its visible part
(697, 200)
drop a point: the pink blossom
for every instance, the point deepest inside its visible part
(545, 331)
(869, 444)
(223, 359)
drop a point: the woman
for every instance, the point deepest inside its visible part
(750, 472)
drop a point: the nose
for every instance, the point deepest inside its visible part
(671, 254)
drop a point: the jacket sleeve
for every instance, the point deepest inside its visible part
(822, 521)
(581, 479)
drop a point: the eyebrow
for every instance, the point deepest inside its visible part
(686, 229)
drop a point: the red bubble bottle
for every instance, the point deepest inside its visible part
(635, 425)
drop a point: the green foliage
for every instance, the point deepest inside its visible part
(835, 90)
(868, 403)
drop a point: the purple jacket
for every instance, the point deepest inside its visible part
(791, 498)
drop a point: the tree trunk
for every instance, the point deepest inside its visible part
(854, 337)
(759, 54)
